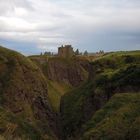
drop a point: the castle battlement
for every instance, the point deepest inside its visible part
(65, 51)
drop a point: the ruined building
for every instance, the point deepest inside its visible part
(65, 51)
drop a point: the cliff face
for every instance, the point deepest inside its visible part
(68, 71)
(62, 74)
(118, 73)
(72, 71)
(24, 99)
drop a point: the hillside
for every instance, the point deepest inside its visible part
(62, 75)
(119, 119)
(25, 112)
(111, 74)
(80, 98)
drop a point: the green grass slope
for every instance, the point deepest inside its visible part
(13, 127)
(119, 119)
(55, 91)
(111, 74)
(25, 112)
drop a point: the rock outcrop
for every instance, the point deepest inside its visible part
(71, 71)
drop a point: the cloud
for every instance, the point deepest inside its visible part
(85, 24)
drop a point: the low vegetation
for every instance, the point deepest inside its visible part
(55, 91)
(25, 112)
(82, 98)
(111, 74)
(119, 119)
(12, 127)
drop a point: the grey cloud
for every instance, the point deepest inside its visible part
(8, 6)
(92, 24)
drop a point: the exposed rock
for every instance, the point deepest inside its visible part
(72, 71)
(24, 92)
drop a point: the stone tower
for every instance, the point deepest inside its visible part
(65, 51)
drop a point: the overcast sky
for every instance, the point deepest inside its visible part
(32, 26)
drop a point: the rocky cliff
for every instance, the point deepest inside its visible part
(72, 71)
(62, 75)
(25, 111)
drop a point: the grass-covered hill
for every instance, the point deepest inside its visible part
(119, 119)
(25, 112)
(111, 74)
(52, 98)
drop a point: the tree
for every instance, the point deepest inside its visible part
(86, 53)
(47, 53)
(77, 52)
(101, 52)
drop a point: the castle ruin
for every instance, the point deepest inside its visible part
(65, 51)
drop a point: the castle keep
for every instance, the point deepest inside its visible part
(65, 51)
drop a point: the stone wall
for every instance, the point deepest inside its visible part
(65, 51)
